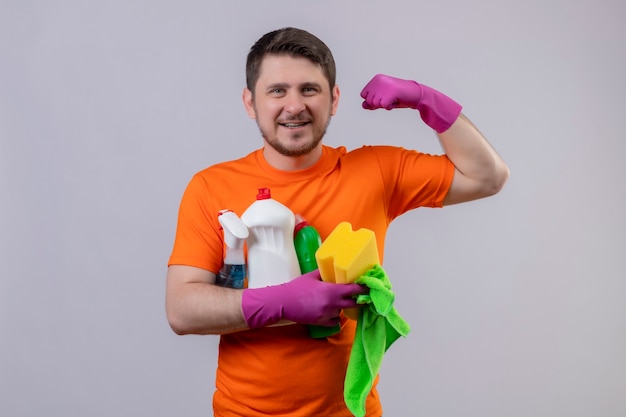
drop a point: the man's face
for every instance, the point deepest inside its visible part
(292, 104)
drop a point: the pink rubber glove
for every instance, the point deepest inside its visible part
(305, 300)
(436, 109)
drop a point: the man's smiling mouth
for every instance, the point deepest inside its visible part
(294, 125)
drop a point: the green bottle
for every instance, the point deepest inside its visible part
(307, 241)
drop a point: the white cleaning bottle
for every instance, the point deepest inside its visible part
(272, 255)
(233, 272)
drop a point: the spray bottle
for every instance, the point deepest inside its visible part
(272, 256)
(233, 272)
(306, 241)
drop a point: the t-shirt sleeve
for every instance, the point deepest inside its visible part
(198, 240)
(414, 179)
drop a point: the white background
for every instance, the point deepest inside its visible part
(107, 109)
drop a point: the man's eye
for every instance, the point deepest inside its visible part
(309, 90)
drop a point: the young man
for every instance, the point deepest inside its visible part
(266, 370)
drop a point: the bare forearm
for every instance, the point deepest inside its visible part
(481, 170)
(203, 308)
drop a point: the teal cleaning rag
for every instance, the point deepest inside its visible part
(378, 326)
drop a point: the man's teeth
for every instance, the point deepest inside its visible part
(293, 124)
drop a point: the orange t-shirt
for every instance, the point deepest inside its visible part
(281, 371)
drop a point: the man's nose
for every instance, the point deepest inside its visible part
(295, 103)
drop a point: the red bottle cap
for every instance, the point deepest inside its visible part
(264, 194)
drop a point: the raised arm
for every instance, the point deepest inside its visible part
(479, 170)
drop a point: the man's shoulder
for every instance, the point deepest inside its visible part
(342, 151)
(369, 151)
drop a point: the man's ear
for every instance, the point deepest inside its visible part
(335, 102)
(248, 103)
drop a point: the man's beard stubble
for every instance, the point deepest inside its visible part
(285, 151)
